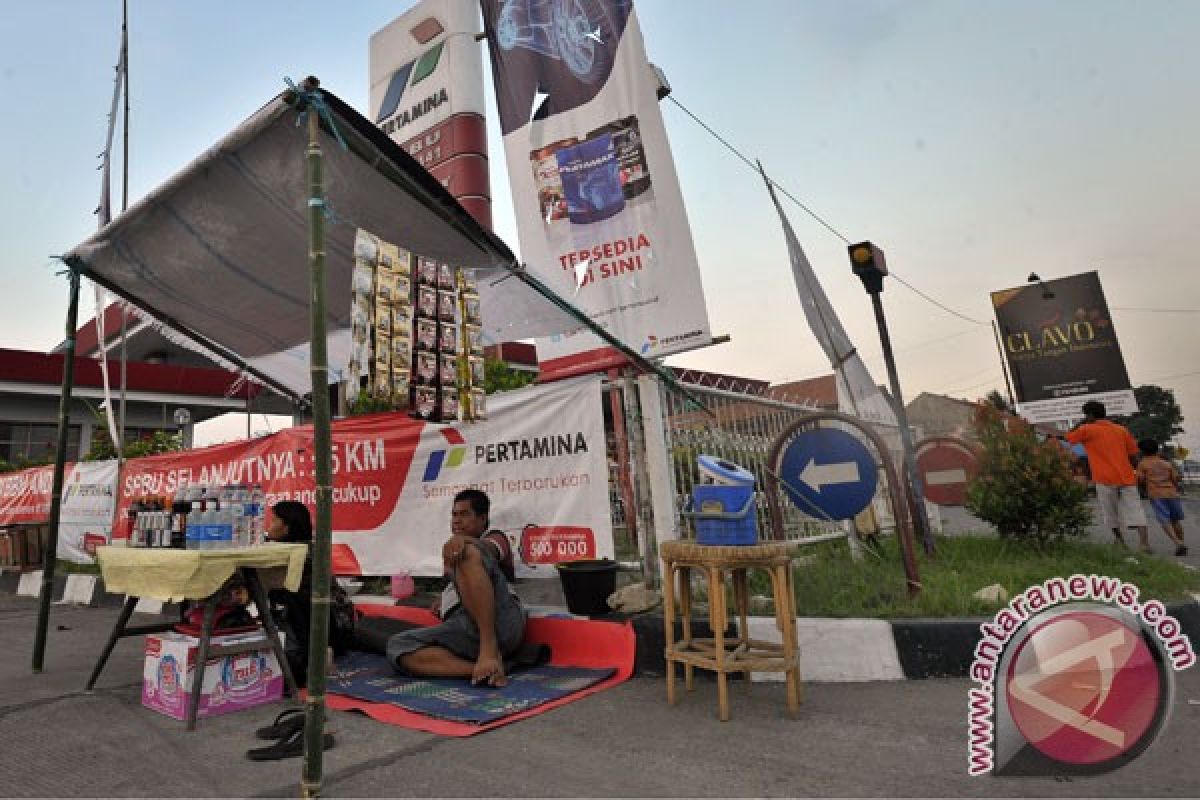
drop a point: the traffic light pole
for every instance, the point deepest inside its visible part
(869, 265)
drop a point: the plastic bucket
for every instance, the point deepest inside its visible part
(403, 586)
(587, 584)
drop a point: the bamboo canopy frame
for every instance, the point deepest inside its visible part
(139, 255)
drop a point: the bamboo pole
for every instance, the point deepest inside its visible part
(60, 460)
(314, 723)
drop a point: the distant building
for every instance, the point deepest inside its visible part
(31, 385)
(939, 415)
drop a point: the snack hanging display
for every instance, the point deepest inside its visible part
(416, 335)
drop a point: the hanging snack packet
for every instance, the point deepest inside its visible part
(401, 321)
(448, 339)
(471, 308)
(446, 303)
(426, 371)
(445, 279)
(427, 272)
(448, 370)
(426, 402)
(403, 264)
(366, 247)
(474, 343)
(475, 367)
(427, 302)
(401, 353)
(427, 334)
(479, 403)
(449, 405)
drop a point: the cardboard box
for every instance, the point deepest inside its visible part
(231, 683)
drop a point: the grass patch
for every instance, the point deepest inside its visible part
(833, 585)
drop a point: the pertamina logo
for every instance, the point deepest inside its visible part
(405, 78)
(446, 458)
(530, 447)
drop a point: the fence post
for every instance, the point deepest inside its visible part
(659, 480)
(641, 490)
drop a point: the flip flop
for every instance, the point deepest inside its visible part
(287, 721)
(289, 747)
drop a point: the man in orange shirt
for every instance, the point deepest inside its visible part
(1110, 448)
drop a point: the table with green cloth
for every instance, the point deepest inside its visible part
(173, 575)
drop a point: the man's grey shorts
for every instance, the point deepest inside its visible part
(1120, 506)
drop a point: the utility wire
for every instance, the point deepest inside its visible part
(783, 190)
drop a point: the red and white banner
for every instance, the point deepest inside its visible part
(87, 504)
(599, 211)
(540, 456)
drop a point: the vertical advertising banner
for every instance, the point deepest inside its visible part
(599, 211)
(1061, 348)
(427, 95)
(88, 499)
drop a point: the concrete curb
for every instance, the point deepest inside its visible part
(74, 589)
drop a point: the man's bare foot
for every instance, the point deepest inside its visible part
(489, 670)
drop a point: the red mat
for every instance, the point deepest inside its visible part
(573, 643)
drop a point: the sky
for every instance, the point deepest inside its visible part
(974, 142)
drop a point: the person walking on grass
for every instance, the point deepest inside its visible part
(1161, 480)
(1110, 450)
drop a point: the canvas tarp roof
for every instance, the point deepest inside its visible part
(219, 252)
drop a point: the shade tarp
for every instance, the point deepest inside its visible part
(220, 251)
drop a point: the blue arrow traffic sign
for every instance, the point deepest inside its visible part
(828, 473)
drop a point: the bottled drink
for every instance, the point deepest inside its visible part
(258, 511)
(225, 528)
(192, 531)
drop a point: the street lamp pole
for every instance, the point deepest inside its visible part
(870, 266)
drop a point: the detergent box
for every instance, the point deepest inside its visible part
(230, 683)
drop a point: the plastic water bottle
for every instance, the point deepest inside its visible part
(258, 511)
(191, 531)
(225, 528)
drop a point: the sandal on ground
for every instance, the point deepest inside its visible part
(287, 721)
(289, 747)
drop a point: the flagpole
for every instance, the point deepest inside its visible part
(120, 446)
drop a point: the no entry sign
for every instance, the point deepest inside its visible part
(945, 466)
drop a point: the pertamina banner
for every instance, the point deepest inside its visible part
(599, 211)
(89, 491)
(1061, 348)
(427, 94)
(540, 456)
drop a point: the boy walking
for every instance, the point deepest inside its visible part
(1161, 480)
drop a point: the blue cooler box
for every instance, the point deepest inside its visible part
(724, 515)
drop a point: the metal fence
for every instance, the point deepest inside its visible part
(741, 428)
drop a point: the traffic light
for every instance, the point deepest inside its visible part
(869, 265)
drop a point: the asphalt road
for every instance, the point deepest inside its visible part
(874, 739)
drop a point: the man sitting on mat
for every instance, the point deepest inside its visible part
(482, 619)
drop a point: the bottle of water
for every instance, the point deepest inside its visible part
(191, 532)
(258, 511)
(225, 527)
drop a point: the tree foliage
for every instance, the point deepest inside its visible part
(158, 442)
(500, 377)
(1025, 487)
(1159, 416)
(997, 400)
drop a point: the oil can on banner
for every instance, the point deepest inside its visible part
(591, 180)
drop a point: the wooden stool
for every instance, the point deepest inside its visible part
(742, 654)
